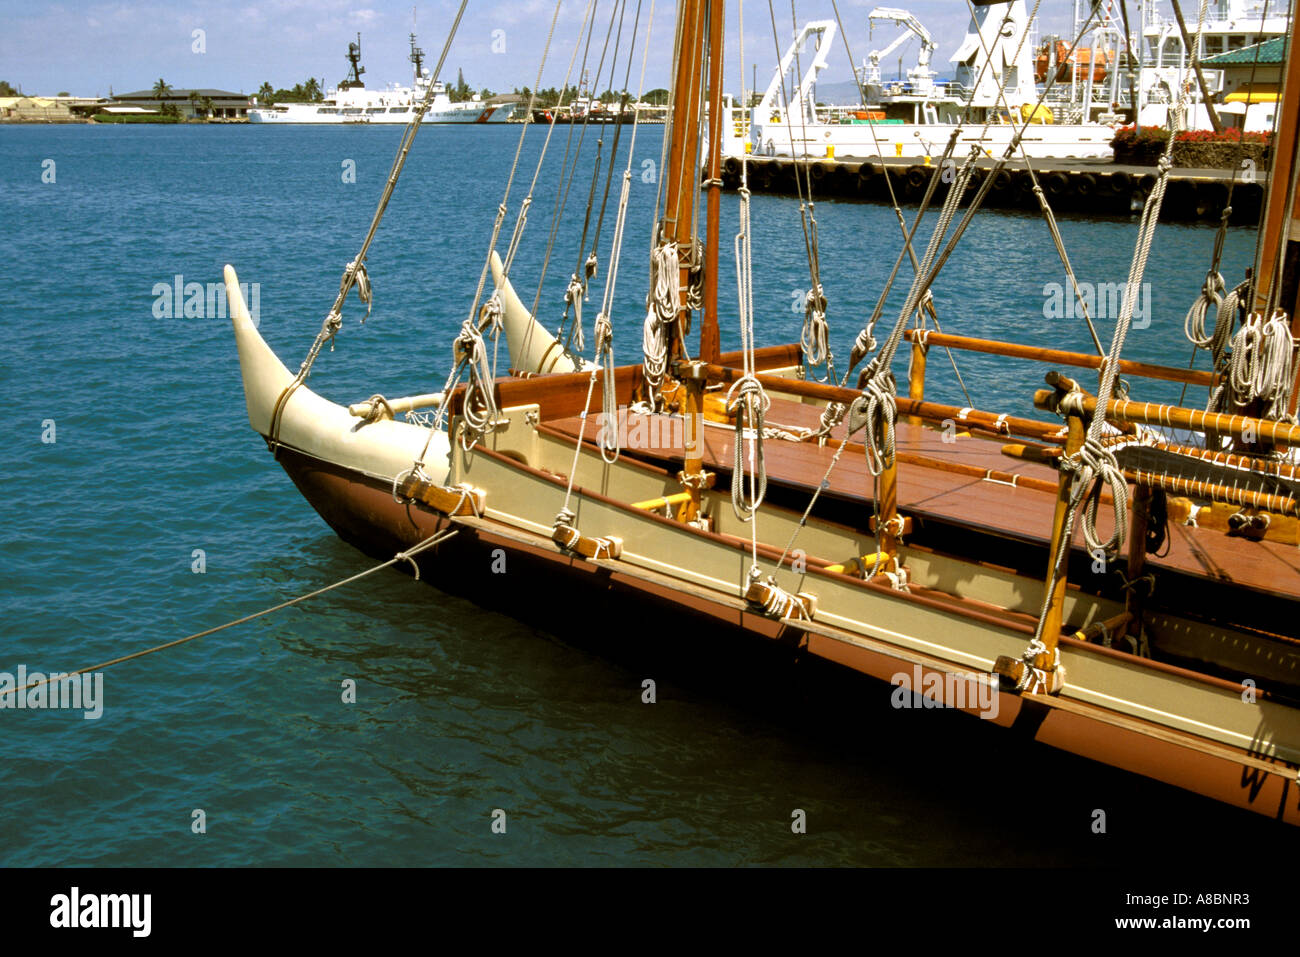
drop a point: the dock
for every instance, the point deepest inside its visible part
(1088, 186)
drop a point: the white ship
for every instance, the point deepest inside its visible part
(916, 118)
(352, 102)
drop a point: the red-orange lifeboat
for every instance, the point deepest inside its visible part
(1082, 60)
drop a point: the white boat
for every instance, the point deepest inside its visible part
(917, 118)
(352, 102)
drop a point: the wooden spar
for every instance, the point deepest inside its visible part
(1191, 488)
(679, 207)
(1081, 360)
(916, 377)
(1243, 463)
(887, 523)
(934, 411)
(1056, 605)
(710, 347)
(1279, 208)
(1140, 520)
(1152, 413)
(1194, 488)
(1116, 624)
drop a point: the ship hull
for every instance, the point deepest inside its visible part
(915, 140)
(382, 116)
(363, 512)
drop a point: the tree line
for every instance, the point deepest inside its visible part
(552, 96)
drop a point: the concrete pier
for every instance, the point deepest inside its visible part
(1074, 185)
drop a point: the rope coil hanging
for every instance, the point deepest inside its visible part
(662, 306)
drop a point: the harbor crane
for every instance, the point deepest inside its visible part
(921, 77)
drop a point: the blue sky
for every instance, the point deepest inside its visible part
(86, 48)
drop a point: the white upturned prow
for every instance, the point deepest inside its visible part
(532, 348)
(265, 376)
(310, 424)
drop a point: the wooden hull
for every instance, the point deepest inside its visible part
(1205, 734)
(363, 512)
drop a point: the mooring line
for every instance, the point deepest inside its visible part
(399, 557)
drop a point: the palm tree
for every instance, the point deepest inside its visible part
(194, 103)
(265, 94)
(161, 90)
(207, 107)
(312, 89)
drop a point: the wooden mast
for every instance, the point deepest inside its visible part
(685, 386)
(710, 349)
(679, 206)
(1280, 210)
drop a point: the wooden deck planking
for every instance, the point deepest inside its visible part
(933, 493)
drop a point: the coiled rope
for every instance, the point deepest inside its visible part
(662, 306)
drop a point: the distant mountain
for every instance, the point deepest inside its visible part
(841, 93)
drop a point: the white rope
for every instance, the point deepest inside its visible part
(814, 340)
(574, 296)
(747, 400)
(662, 306)
(479, 406)
(1094, 465)
(1210, 299)
(1260, 365)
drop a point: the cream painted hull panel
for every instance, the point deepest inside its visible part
(382, 449)
(532, 348)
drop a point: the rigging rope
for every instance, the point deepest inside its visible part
(404, 556)
(1094, 466)
(355, 272)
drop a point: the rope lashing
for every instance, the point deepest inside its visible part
(609, 437)
(814, 340)
(573, 296)
(877, 410)
(1091, 468)
(1210, 298)
(695, 277)
(1033, 679)
(864, 344)
(748, 402)
(362, 279)
(379, 409)
(772, 599)
(470, 352)
(831, 416)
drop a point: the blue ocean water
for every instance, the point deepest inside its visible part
(460, 710)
